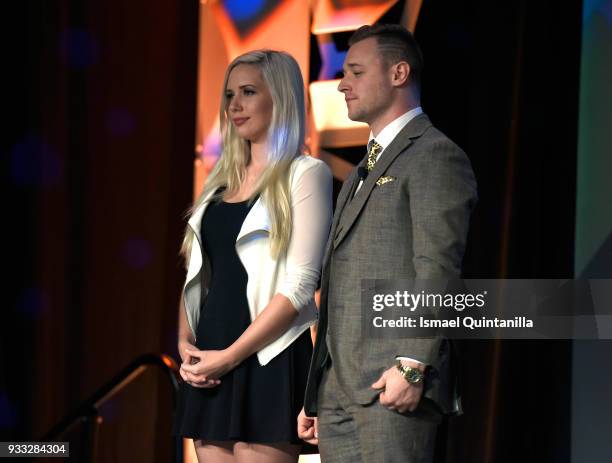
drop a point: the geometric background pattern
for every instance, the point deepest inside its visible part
(316, 34)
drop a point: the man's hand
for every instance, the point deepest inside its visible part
(398, 394)
(308, 428)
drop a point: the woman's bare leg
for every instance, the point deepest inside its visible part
(214, 452)
(245, 452)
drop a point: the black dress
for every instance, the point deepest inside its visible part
(253, 403)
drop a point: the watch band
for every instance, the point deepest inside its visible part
(412, 375)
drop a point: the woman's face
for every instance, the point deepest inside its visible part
(248, 103)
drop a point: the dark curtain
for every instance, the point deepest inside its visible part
(501, 79)
(99, 161)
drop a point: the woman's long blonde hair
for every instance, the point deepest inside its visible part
(282, 75)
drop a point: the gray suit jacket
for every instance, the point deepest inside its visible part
(412, 227)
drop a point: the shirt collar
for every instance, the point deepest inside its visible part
(386, 135)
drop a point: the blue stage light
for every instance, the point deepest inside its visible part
(8, 412)
(332, 61)
(34, 163)
(78, 48)
(32, 302)
(243, 10)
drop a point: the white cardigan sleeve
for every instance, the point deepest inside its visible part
(311, 214)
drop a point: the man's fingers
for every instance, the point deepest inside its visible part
(407, 407)
(306, 433)
(308, 428)
(380, 383)
(308, 436)
(304, 426)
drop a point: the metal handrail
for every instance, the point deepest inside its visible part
(88, 410)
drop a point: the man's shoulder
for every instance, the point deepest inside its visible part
(432, 142)
(433, 135)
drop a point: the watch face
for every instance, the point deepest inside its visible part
(413, 375)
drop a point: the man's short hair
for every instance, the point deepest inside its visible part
(396, 44)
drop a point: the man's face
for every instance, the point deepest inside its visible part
(366, 83)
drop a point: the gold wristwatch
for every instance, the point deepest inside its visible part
(412, 375)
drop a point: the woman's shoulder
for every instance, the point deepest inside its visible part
(305, 163)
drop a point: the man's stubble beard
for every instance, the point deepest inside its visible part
(367, 115)
(361, 115)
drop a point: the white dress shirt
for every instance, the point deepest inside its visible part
(388, 134)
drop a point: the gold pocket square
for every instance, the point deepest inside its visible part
(383, 180)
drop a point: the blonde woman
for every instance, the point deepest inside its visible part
(253, 248)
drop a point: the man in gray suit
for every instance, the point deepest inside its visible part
(403, 213)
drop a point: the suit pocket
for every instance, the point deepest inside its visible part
(387, 188)
(384, 180)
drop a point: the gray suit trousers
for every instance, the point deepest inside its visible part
(356, 433)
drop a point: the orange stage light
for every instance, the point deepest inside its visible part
(330, 117)
(221, 41)
(340, 16)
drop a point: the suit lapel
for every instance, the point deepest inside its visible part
(346, 192)
(344, 197)
(400, 143)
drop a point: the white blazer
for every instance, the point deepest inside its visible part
(294, 274)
